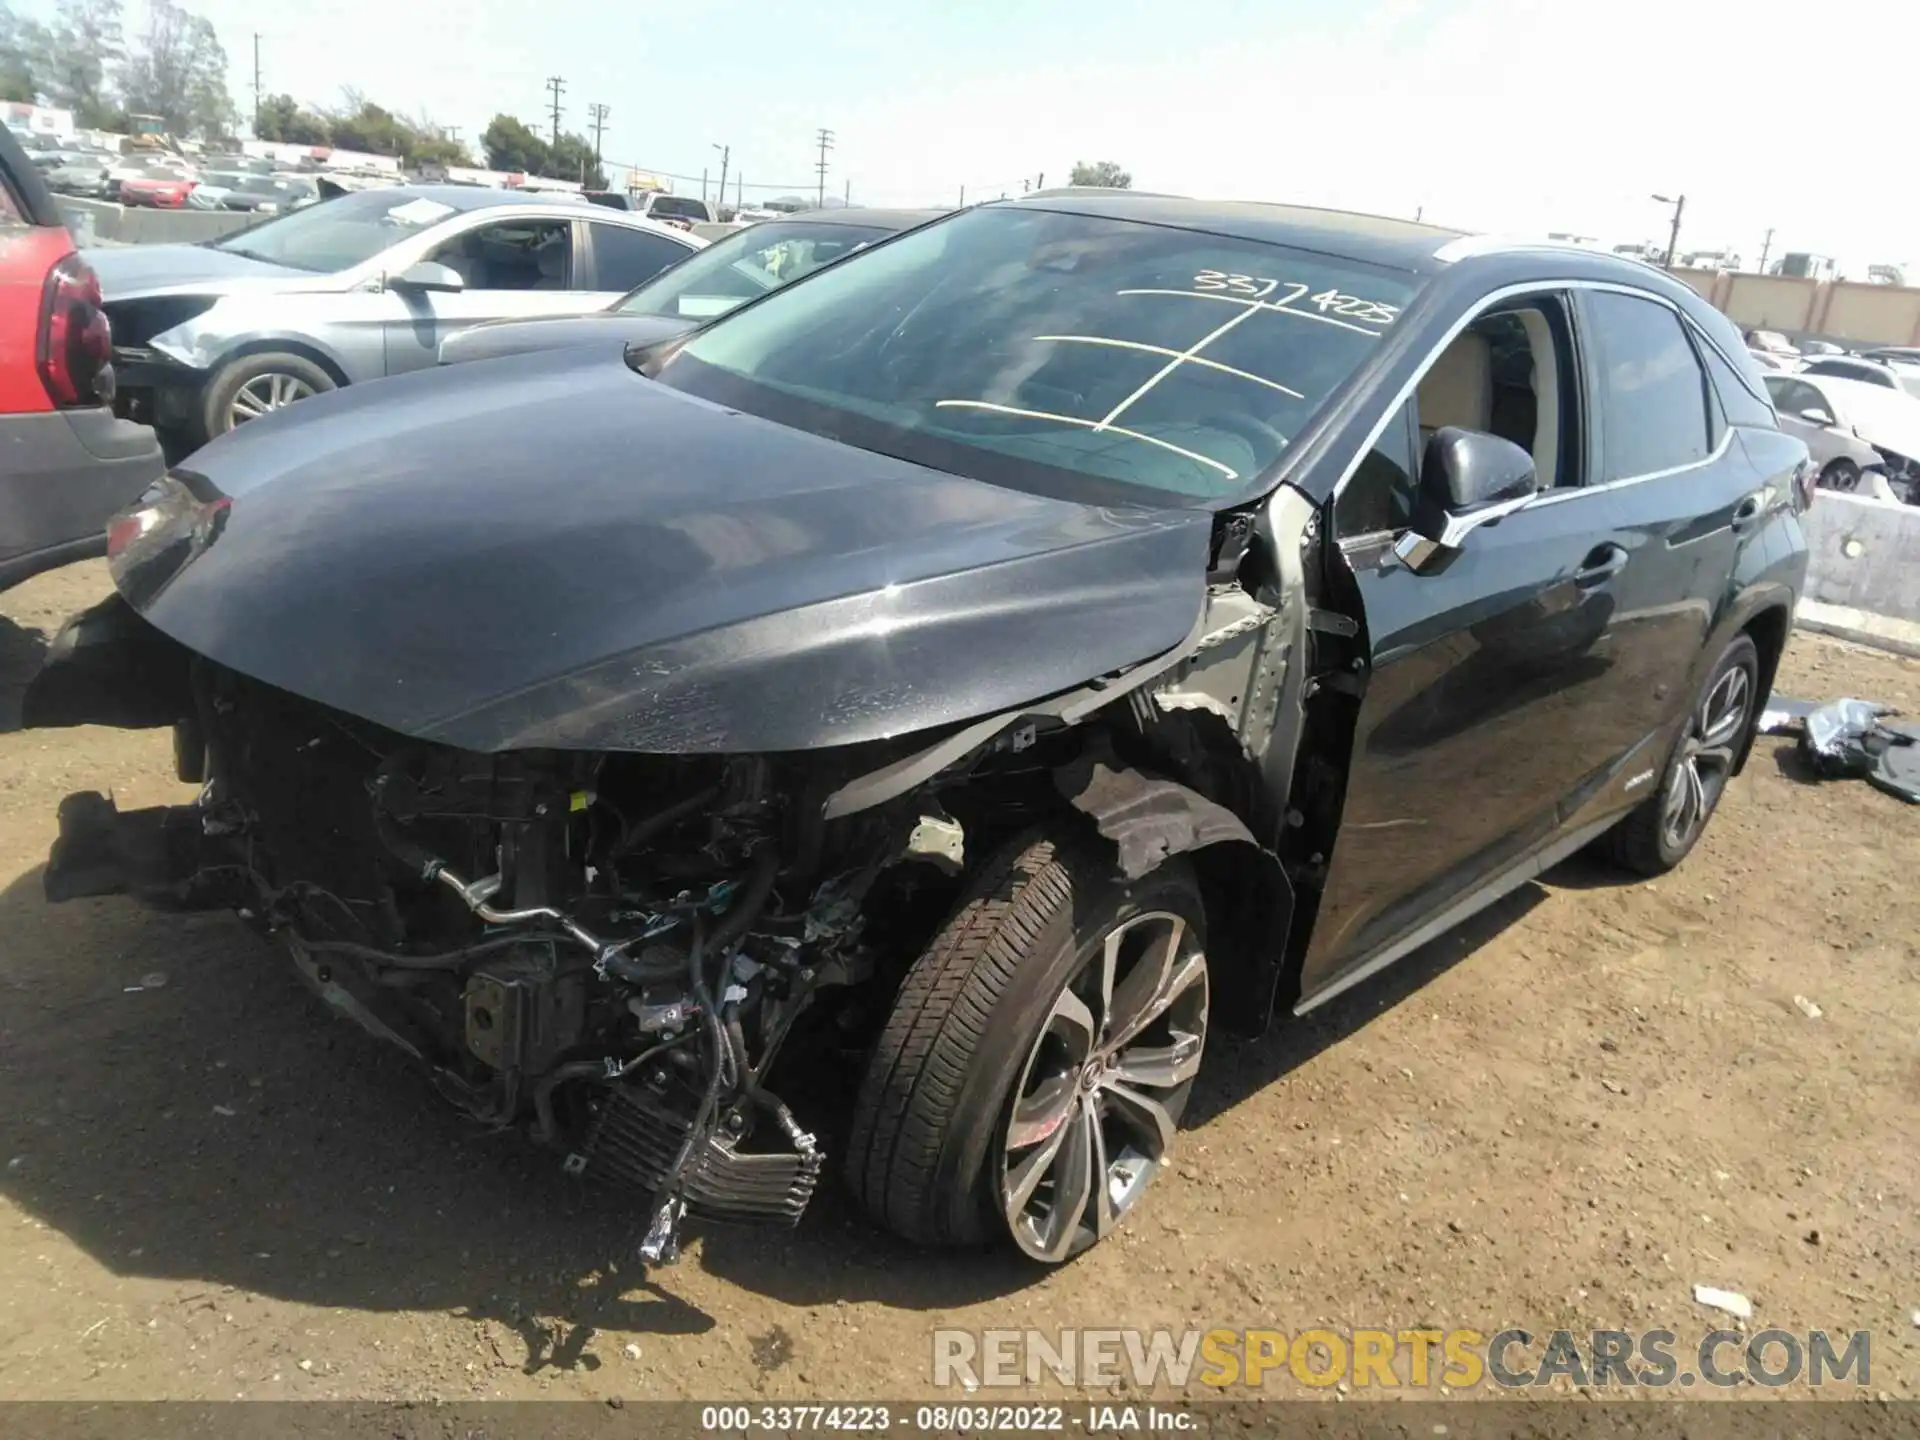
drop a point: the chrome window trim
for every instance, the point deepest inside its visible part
(1505, 293)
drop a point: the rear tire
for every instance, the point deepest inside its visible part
(1841, 475)
(256, 385)
(1668, 824)
(1011, 1095)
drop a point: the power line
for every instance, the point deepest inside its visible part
(556, 84)
(826, 143)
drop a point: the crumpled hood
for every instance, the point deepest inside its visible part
(129, 271)
(552, 551)
(552, 332)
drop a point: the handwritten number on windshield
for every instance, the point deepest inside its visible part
(1261, 287)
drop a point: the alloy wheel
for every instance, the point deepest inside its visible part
(1104, 1087)
(1705, 761)
(264, 393)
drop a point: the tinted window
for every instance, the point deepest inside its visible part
(1653, 397)
(1039, 349)
(1737, 400)
(509, 254)
(626, 258)
(1380, 494)
(746, 265)
(676, 205)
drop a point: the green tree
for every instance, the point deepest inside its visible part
(509, 145)
(284, 120)
(178, 71)
(84, 44)
(573, 160)
(23, 48)
(1101, 172)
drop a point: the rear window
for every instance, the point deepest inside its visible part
(676, 205)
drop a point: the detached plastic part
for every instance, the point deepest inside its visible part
(1783, 715)
(1853, 738)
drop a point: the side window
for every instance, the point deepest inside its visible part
(624, 258)
(512, 255)
(1737, 400)
(1380, 494)
(1653, 395)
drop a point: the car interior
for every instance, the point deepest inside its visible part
(1501, 375)
(511, 255)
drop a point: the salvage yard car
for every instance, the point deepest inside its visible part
(1862, 437)
(207, 337)
(991, 661)
(728, 273)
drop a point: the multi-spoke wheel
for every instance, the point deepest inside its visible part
(1035, 1067)
(1104, 1085)
(1658, 835)
(253, 386)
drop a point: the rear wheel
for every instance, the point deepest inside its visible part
(1031, 1078)
(1668, 824)
(256, 385)
(1840, 474)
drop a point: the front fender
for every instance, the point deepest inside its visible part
(239, 324)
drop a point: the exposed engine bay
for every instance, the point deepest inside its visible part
(615, 947)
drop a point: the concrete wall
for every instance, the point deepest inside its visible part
(1865, 554)
(98, 222)
(1872, 314)
(1844, 310)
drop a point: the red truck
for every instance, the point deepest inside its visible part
(67, 463)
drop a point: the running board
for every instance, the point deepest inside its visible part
(1505, 883)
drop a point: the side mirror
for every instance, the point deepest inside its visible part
(425, 275)
(1467, 479)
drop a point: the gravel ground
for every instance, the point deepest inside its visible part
(1565, 1114)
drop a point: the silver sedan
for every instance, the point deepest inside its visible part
(207, 337)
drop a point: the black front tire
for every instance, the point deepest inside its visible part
(1667, 825)
(1842, 475)
(930, 1134)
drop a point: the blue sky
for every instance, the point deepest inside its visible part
(1519, 116)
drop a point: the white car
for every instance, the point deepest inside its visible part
(1886, 419)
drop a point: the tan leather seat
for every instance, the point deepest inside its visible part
(1458, 390)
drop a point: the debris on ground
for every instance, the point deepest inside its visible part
(1807, 1008)
(1783, 715)
(1853, 738)
(1731, 1301)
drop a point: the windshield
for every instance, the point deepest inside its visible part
(745, 266)
(339, 234)
(1028, 347)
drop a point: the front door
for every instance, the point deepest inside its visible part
(512, 269)
(1491, 693)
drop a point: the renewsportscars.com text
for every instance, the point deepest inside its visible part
(1511, 1359)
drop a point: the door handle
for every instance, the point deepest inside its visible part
(1749, 510)
(1602, 565)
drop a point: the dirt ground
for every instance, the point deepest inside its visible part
(1567, 1114)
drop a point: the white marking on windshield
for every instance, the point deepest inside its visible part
(1166, 350)
(1075, 420)
(1260, 305)
(1172, 365)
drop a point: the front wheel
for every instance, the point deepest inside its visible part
(1841, 474)
(1668, 824)
(1032, 1076)
(256, 385)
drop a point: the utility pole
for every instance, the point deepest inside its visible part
(963, 197)
(847, 197)
(739, 192)
(599, 114)
(703, 184)
(256, 84)
(1679, 205)
(825, 138)
(556, 84)
(726, 154)
(1766, 246)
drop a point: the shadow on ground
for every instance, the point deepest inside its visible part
(182, 1108)
(21, 648)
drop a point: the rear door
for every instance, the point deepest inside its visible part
(1684, 495)
(1493, 699)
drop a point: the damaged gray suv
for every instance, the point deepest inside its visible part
(973, 674)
